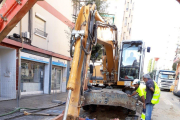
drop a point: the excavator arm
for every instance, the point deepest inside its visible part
(87, 32)
(11, 13)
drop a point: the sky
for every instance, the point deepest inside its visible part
(157, 23)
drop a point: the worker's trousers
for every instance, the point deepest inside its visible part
(149, 108)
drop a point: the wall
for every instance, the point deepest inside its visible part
(117, 7)
(57, 40)
(8, 72)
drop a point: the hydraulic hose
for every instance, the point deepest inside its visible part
(30, 109)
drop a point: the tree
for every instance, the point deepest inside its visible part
(153, 66)
(174, 66)
(101, 7)
(96, 49)
(149, 66)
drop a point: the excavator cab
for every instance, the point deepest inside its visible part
(131, 61)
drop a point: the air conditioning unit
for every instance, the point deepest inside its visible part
(26, 35)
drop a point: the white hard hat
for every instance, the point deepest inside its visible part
(136, 81)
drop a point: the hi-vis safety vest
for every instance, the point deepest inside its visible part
(156, 95)
(141, 91)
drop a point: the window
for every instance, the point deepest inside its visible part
(128, 27)
(130, 31)
(130, 61)
(74, 10)
(32, 76)
(133, 6)
(124, 36)
(166, 76)
(40, 26)
(124, 15)
(131, 18)
(125, 22)
(127, 6)
(130, 13)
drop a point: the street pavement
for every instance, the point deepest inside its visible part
(33, 101)
(168, 108)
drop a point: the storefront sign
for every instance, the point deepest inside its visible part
(35, 58)
(59, 62)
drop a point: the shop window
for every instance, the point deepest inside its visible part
(32, 76)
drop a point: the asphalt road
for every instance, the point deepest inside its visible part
(168, 108)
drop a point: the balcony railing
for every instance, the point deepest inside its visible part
(40, 32)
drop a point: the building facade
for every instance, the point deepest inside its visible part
(127, 20)
(43, 51)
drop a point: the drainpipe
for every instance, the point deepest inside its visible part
(50, 74)
(19, 64)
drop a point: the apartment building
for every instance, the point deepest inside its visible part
(44, 51)
(127, 19)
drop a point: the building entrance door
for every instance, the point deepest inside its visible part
(56, 80)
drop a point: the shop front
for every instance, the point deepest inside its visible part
(59, 73)
(34, 74)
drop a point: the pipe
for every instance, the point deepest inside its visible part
(19, 64)
(67, 105)
(31, 109)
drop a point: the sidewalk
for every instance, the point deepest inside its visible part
(35, 101)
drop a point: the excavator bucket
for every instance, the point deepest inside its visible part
(111, 97)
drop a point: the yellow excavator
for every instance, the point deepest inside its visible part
(120, 66)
